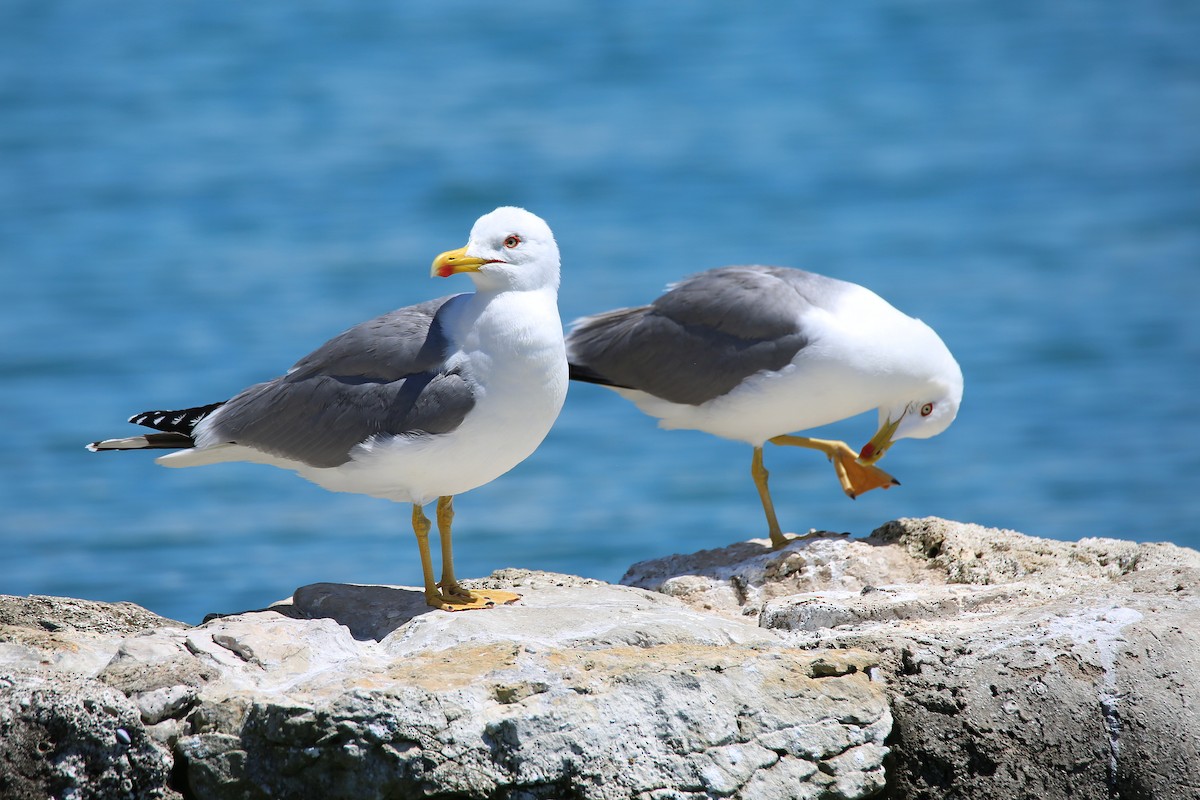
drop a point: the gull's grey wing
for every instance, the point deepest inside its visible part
(386, 376)
(703, 337)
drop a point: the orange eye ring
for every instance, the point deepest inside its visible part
(512, 241)
(926, 409)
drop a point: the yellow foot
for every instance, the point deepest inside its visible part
(455, 598)
(787, 538)
(781, 540)
(857, 478)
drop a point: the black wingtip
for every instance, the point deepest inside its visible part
(582, 374)
(150, 441)
(182, 420)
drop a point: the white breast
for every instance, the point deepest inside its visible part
(511, 347)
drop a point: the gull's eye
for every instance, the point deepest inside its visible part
(926, 409)
(512, 241)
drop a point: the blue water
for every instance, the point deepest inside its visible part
(193, 195)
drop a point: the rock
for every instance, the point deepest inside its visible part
(736, 580)
(1017, 667)
(930, 660)
(78, 636)
(54, 614)
(62, 735)
(582, 689)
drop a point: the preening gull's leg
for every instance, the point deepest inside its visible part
(760, 475)
(855, 477)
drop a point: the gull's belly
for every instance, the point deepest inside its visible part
(504, 428)
(771, 403)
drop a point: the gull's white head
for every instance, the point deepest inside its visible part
(509, 248)
(924, 409)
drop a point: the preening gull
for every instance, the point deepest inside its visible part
(417, 405)
(755, 353)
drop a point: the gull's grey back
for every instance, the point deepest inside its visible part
(384, 376)
(704, 336)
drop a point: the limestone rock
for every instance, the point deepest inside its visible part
(582, 689)
(52, 614)
(736, 580)
(62, 735)
(969, 662)
(1017, 667)
(78, 636)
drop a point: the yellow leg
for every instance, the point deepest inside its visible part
(421, 528)
(452, 597)
(449, 585)
(855, 477)
(760, 475)
(445, 518)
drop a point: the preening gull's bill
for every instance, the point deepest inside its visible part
(755, 353)
(422, 403)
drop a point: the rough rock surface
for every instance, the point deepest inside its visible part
(582, 690)
(1017, 667)
(953, 660)
(63, 734)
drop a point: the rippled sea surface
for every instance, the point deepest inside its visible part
(193, 195)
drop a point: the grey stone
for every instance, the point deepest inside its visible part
(66, 614)
(930, 660)
(65, 736)
(166, 703)
(1017, 667)
(582, 689)
(77, 636)
(736, 580)
(154, 659)
(62, 733)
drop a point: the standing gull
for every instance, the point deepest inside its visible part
(423, 403)
(755, 353)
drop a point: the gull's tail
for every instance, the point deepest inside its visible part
(176, 427)
(590, 341)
